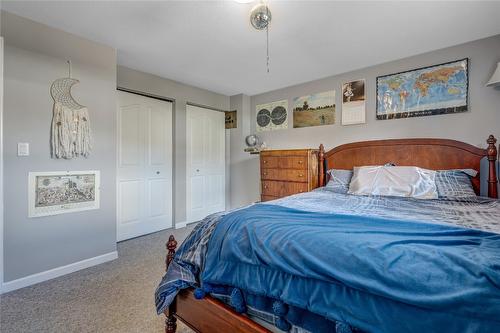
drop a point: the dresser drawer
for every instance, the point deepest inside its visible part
(268, 198)
(293, 162)
(292, 175)
(269, 162)
(283, 162)
(281, 188)
(286, 172)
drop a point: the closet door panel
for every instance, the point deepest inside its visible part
(144, 190)
(131, 141)
(205, 162)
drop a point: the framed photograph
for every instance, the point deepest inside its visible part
(353, 103)
(59, 192)
(272, 116)
(230, 119)
(314, 110)
(438, 89)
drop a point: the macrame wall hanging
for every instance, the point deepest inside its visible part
(70, 134)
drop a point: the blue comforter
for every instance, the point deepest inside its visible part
(386, 295)
(376, 274)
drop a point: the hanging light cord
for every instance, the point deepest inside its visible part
(267, 41)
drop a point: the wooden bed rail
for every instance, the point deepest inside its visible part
(434, 154)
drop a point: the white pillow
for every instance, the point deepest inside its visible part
(399, 181)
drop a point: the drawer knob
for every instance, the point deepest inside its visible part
(265, 162)
(301, 175)
(265, 186)
(265, 173)
(300, 162)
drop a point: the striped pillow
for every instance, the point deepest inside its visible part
(339, 180)
(455, 183)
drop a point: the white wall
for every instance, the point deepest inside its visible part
(472, 127)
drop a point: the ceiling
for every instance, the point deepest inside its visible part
(212, 45)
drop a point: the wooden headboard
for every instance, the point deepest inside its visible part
(434, 154)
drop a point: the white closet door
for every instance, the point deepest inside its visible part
(205, 162)
(144, 165)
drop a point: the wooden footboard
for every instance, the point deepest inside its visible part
(207, 314)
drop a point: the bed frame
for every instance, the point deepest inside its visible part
(434, 154)
(210, 315)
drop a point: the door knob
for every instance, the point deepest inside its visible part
(197, 170)
(157, 172)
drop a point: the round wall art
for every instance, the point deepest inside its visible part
(272, 116)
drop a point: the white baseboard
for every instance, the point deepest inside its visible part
(56, 272)
(181, 225)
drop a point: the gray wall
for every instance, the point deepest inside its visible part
(1, 149)
(243, 166)
(35, 55)
(472, 127)
(181, 94)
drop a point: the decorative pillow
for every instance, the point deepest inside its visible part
(399, 181)
(339, 180)
(455, 183)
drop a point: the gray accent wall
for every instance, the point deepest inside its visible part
(35, 55)
(244, 166)
(182, 95)
(482, 119)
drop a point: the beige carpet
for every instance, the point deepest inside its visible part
(113, 297)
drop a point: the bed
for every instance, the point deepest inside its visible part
(227, 278)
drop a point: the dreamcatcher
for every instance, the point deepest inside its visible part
(70, 135)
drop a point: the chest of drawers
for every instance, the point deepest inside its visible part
(287, 172)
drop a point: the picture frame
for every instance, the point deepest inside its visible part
(353, 102)
(316, 109)
(271, 116)
(231, 119)
(59, 192)
(425, 91)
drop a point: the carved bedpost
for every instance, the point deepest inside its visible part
(170, 321)
(171, 246)
(492, 159)
(321, 168)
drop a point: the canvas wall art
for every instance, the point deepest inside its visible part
(314, 110)
(272, 116)
(59, 192)
(353, 103)
(432, 90)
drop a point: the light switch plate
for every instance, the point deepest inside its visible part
(23, 149)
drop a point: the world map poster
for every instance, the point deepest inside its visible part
(438, 89)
